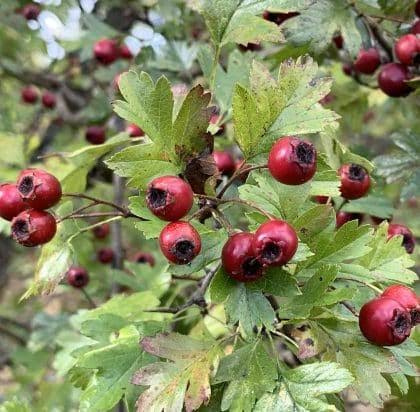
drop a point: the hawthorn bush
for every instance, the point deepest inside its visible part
(225, 192)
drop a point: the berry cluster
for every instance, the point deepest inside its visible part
(25, 204)
(30, 95)
(387, 320)
(107, 51)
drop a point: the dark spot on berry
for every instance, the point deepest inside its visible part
(401, 323)
(79, 279)
(357, 172)
(157, 197)
(416, 59)
(26, 185)
(415, 316)
(251, 267)
(20, 229)
(305, 153)
(184, 250)
(271, 251)
(408, 243)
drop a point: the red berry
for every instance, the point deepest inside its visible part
(101, 232)
(323, 200)
(407, 298)
(278, 18)
(40, 189)
(348, 69)
(292, 161)
(275, 243)
(31, 11)
(417, 8)
(239, 258)
(367, 61)
(407, 48)
(106, 51)
(33, 227)
(384, 322)
(342, 218)
(48, 100)
(105, 255)
(29, 94)
(144, 257)
(11, 202)
(125, 52)
(169, 197)
(355, 181)
(134, 131)
(179, 242)
(408, 240)
(392, 80)
(77, 277)
(224, 162)
(338, 41)
(95, 134)
(415, 28)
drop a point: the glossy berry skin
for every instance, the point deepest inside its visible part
(95, 134)
(144, 257)
(48, 100)
(169, 197)
(105, 255)
(11, 202)
(292, 161)
(275, 243)
(125, 52)
(342, 218)
(384, 322)
(338, 41)
(38, 188)
(408, 241)
(134, 131)
(415, 28)
(106, 51)
(224, 162)
(101, 232)
(407, 48)
(179, 242)
(33, 227)
(78, 277)
(367, 61)
(407, 298)
(239, 258)
(392, 79)
(30, 11)
(355, 181)
(29, 95)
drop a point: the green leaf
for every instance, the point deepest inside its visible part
(183, 380)
(371, 205)
(301, 387)
(334, 16)
(250, 372)
(15, 405)
(177, 56)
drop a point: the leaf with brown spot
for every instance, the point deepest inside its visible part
(201, 173)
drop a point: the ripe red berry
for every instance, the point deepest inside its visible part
(95, 134)
(275, 243)
(30, 11)
(169, 197)
(415, 28)
(408, 240)
(101, 232)
(179, 242)
(144, 257)
(33, 227)
(392, 80)
(106, 51)
(105, 255)
(344, 217)
(48, 100)
(77, 277)
(125, 52)
(367, 61)
(11, 202)
(38, 188)
(417, 8)
(338, 41)
(348, 69)
(292, 161)
(29, 94)
(224, 162)
(407, 298)
(384, 322)
(407, 49)
(355, 181)
(134, 131)
(239, 258)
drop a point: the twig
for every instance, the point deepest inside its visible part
(350, 308)
(186, 277)
(88, 298)
(97, 200)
